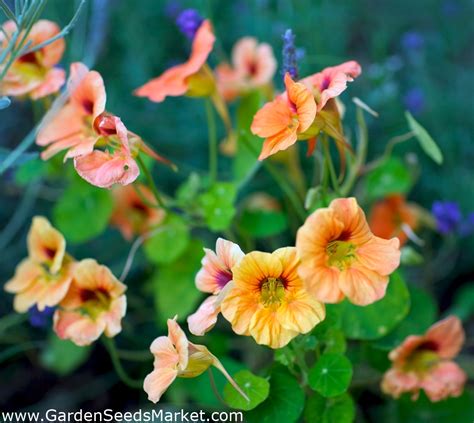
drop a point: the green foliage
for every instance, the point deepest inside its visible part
(30, 171)
(410, 257)
(339, 409)
(390, 177)
(263, 223)
(424, 411)
(285, 402)
(169, 241)
(463, 304)
(331, 375)
(188, 190)
(245, 159)
(377, 319)
(427, 143)
(174, 288)
(256, 388)
(422, 314)
(63, 357)
(218, 205)
(83, 212)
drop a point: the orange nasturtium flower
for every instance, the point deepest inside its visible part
(215, 277)
(389, 216)
(190, 78)
(44, 277)
(284, 119)
(340, 257)
(176, 357)
(425, 362)
(71, 128)
(94, 304)
(304, 110)
(135, 213)
(268, 300)
(253, 66)
(34, 74)
(103, 168)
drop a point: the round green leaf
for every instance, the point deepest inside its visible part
(63, 357)
(169, 243)
(217, 205)
(83, 212)
(285, 402)
(331, 375)
(378, 319)
(339, 409)
(391, 177)
(423, 311)
(256, 388)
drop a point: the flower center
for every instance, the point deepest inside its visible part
(422, 361)
(341, 254)
(95, 301)
(272, 292)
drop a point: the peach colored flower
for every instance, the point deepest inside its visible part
(389, 215)
(425, 362)
(253, 66)
(71, 128)
(340, 257)
(214, 277)
(104, 168)
(332, 81)
(176, 357)
(94, 304)
(34, 74)
(45, 276)
(187, 77)
(268, 300)
(135, 213)
(284, 119)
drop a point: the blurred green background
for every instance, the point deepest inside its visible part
(415, 55)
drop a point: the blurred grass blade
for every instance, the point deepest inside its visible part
(427, 143)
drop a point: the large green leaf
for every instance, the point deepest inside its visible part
(331, 375)
(169, 241)
(285, 402)
(427, 143)
(390, 177)
(340, 409)
(174, 288)
(422, 314)
(83, 212)
(378, 319)
(256, 388)
(63, 357)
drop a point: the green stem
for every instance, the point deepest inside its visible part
(122, 374)
(330, 164)
(281, 181)
(360, 156)
(151, 182)
(17, 349)
(214, 387)
(213, 148)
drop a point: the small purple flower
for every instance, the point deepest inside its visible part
(412, 40)
(448, 216)
(414, 100)
(189, 21)
(40, 319)
(290, 54)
